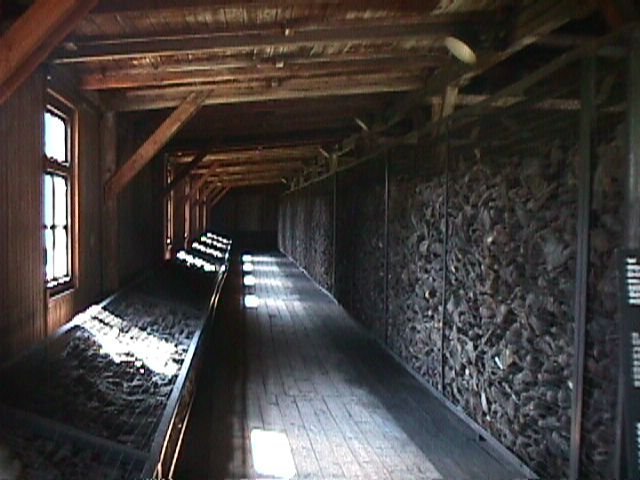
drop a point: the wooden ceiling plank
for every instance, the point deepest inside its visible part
(33, 36)
(358, 32)
(154, 143)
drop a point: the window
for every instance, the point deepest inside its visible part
(57, 195)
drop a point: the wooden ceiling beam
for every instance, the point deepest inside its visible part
(434, 27)
(33, 36)
(151, 6)
(107, 80)
(292, 141)
(154, 143)
(222, 180)
(257, 156)
(258, 168)
(255, 183)
(152, 99)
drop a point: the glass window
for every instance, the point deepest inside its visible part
(56, 229)
(57, 195)
(56, 138)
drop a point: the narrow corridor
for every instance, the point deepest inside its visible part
(297, 371)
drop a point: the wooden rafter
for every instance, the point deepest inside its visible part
(154, 143)
(33, 36)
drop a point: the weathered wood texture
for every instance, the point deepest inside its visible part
(505, 346)
(88, 286)
(22, 316)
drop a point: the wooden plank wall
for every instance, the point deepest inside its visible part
(90, 206)
(140, 212)
(21, 246)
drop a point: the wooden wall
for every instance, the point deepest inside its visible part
(140, 211)
(88, 289)
(21, 241)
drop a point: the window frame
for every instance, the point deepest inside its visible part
(63, 109)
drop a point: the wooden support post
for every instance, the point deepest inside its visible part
(155, 142)
(109, 139)
(33, 37)
(584, 171)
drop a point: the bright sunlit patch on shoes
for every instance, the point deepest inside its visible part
(251, 301)
(249, 281)
(272, 454)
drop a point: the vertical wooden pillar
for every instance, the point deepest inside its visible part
(587, 120)
(187, 213)
(109, 163)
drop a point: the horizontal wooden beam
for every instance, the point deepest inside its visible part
(257, 168)
(184, 150)
(33, 36)
(372, 31)
(259, 92)
(151, 6)
(255, 183)
(109, 80)
(154, 143)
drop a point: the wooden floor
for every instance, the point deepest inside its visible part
(297, 364)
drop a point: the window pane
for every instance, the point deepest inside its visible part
(55, 137)
(60, 200)
(48, 243)
(48, 200)
(60, 259)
